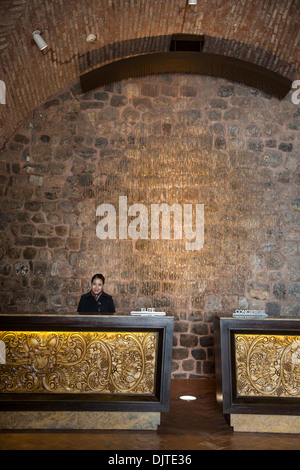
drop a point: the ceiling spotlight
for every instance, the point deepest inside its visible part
(39, 40)
(192, 2)
(91, 38)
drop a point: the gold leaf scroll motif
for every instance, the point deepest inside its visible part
(73, 362)
(267, 365)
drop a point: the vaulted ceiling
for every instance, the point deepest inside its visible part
(264, 33)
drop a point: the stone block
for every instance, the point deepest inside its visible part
(259, 291)
(41, 153)
(214, 302)
(29, 253)
(188, 340)
(56, 242)
(79, 420)
(73, 244)
(265, 423)
(294, 290)
(279, 291)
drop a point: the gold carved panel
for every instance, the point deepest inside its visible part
(267, 365)
(79, 362)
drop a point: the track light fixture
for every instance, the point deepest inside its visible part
(39, 40)
(91, 38)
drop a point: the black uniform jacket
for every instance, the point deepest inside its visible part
(104, 305)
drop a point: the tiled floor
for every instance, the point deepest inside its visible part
(197, 425)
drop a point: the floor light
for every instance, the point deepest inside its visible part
(188, 397)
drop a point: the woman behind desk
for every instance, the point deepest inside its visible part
(96, 301)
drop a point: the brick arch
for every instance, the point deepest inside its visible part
(214, 65)
(264, 33)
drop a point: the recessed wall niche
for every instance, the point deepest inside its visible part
(173, 139)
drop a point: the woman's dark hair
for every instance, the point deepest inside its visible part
(98, 276)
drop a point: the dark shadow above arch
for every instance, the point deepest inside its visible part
(202, 63)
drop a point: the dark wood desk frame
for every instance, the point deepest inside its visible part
(224, 331)
(157, 402)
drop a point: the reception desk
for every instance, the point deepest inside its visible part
(258, 373)
(89, 371)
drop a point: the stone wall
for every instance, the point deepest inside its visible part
(174, 139)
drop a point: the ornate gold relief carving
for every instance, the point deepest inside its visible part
(73, 362)
(267, 365)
